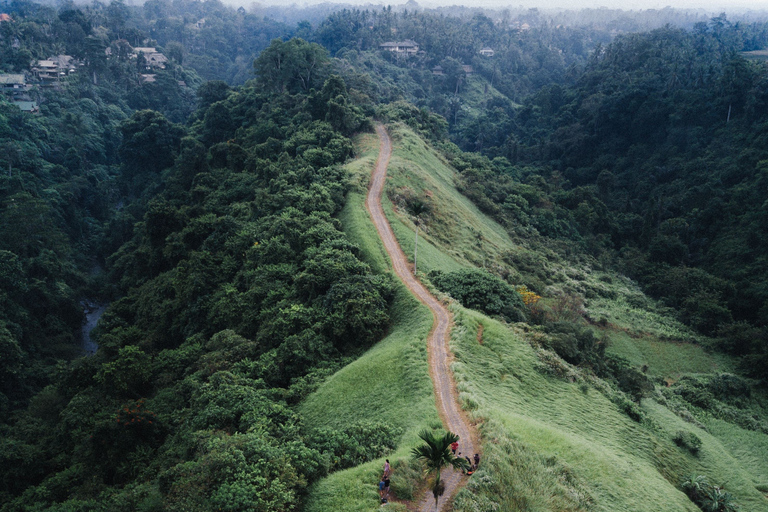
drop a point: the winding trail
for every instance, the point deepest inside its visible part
(439, 355)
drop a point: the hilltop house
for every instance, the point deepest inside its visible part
(154, 59)
(13, 85)
(5, 17)
(27, 106)
(54, 68)
(487, 52)
(12, 82)
(407, 47)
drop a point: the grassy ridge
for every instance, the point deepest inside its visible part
(552, 444)
(453, 223)
(390, 382)
(553, 437)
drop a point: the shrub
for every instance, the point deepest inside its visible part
(576, 344)
(358, 443)
(695, 395)
(708, 497)
(480, 290)
(687, 440)
(629, 379)
(727, 386)
(566, 308)
(630, 409)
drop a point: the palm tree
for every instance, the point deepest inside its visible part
(436, 454)
(417, 208)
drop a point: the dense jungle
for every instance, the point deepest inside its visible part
(585, 182)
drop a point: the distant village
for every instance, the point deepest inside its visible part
(53, 72)
(408, 47)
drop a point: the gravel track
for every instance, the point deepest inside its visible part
(439, 355)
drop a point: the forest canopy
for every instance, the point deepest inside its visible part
(203, 205)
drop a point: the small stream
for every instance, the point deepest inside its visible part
(93, 311)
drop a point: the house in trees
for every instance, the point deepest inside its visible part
(469, 70)
(13, 85)
(27, 106)
(51, 70)
(5, 17)
(487, 52)
(153, 58)
(406, 47)
(438, 70)
(46, 70)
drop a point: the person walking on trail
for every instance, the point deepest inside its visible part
(386, 487)
(386, 468)
(382, 486)
(454, 447)
(477, 460)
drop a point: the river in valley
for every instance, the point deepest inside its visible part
(92, 312)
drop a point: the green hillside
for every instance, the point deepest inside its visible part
(592, 202)
(555, 436)
(390, 382)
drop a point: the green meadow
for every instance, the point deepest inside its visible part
(554, 437)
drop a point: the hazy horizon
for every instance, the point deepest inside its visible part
(714, 6)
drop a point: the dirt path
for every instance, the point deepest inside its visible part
(439, 355)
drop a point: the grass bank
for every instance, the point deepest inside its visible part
(558, 439)
(389, 383)
(554, 436)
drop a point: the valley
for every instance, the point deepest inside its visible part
(334, 237)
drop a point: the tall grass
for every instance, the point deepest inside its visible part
(464, 236)
(390, 382)
(609, 460)
(549, 442)
(542, 422)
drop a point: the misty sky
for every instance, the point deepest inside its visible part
(715, 6)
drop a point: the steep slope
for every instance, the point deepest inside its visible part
(437, 343)
(390, 382)
(554, 436)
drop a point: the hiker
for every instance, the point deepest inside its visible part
(477, 460)
(469, 465)
(382, 485)
(386, 487)
(454, 447)
(386, 468)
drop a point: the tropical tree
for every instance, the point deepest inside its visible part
(292, 66)
(436, 454)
